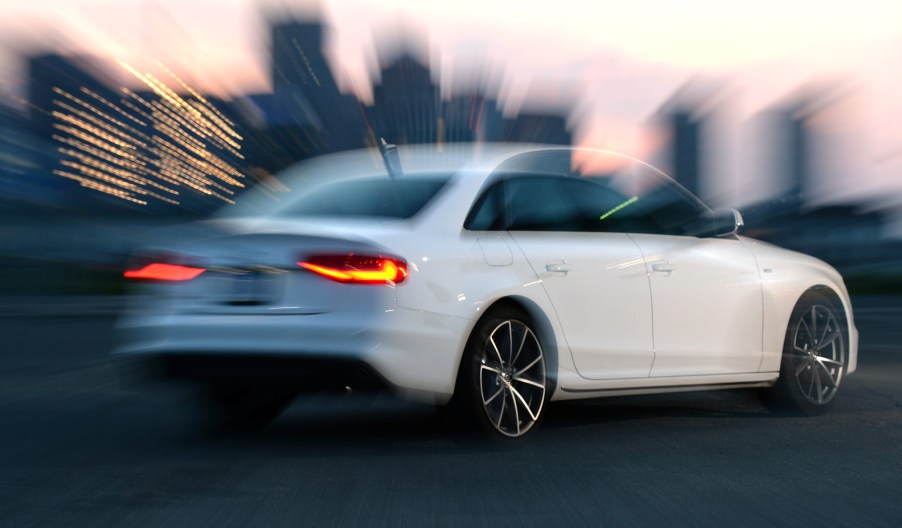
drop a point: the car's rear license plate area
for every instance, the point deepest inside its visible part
(248, 287)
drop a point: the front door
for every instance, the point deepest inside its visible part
(707, 305)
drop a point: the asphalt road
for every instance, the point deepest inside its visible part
(75, 450)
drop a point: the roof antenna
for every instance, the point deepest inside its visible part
(391, 158)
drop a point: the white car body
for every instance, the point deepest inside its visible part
(617, 313)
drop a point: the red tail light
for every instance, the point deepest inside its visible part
(358, 269)
(164, 272)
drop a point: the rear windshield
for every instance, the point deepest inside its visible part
(366, 197)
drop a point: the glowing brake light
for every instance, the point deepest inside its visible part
(164, 272)
(358, 269)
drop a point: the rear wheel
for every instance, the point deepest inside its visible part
(814, 357)
(503, 380)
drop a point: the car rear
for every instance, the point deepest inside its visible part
(302, 301)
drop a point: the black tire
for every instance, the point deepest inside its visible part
(502, 385)
(815, 356)
(241, 409)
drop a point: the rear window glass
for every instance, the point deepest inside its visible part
(366, 197)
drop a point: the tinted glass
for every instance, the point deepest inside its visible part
(551, 191)
(562, 204)
(371, 197)
(540, 204)
(491, 211)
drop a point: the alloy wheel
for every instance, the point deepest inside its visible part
(819, 354)
(512, 378)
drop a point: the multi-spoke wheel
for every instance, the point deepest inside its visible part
(503, 379)
(512, 378)
(814, 356)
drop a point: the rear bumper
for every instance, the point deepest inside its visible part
(413, 353)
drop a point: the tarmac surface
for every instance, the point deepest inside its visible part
(77, 450)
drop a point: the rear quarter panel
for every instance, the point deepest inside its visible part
(459, 273)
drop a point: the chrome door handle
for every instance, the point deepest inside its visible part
(663, 268)
(558, 268)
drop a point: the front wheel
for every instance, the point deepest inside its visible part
(503, 380)
(814, 358)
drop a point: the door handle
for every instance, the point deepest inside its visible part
(663, 268)
(558, 268)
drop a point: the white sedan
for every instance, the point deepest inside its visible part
(491, 280)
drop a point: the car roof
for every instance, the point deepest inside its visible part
(469, 162)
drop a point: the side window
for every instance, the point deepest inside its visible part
(605, 209)
(541, 204)
(553, 203)
(571, 203)
(550, 191)
(670, 209)
(490, 211)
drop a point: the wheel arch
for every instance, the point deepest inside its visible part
(468, 406)
(831, 294)
(838, 302)
(544, 329)
(541, 325)
(782, 291)
(782, 308)
(788, 394)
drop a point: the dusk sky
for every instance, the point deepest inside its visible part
(612, 64)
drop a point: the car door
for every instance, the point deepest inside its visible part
(707, 306)
(596, 280)
(706, 291)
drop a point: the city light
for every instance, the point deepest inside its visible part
(174, 143)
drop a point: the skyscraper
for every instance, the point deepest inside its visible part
(303, 84)
(407, 103)
(685, 150)
(537, 128)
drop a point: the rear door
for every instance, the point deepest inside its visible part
(596, 280)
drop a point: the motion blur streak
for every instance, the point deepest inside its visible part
(120, 119)
(173, 111)
(180, 144)
(166, 272)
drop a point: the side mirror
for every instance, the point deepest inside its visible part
(722, 222)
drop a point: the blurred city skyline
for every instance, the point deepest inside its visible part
(611, 69)
(119, 118)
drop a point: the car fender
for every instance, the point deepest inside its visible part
(785, 277)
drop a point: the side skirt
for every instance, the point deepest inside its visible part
(570, 393)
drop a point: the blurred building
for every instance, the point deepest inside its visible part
(786, 140)
(19, 154)
(537, 128)
(685, 151)
(406, 103)
(680, 155)
(275, 140)
(29, 147)
(460, 118)
(306, 94)
(50, 74)
(471, 117)
(850, 235)
(102, 147)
